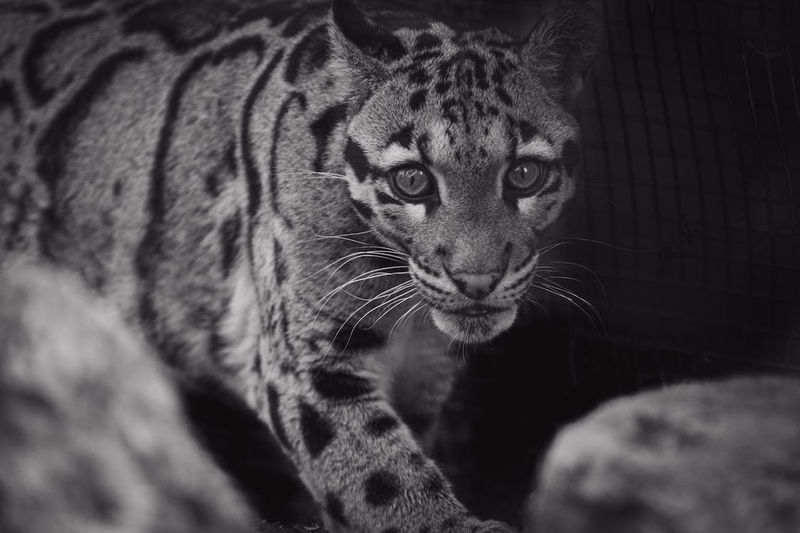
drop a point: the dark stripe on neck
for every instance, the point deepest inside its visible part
(322, 129)
(274, 13)
(254, 187)
(302, 20)
(300, 98)
(150, 247)
(56, 141)
(250, 43)
(41, 43)
(311, 53)
(182, 25)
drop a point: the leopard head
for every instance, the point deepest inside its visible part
(461, 150)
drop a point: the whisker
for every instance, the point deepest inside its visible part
(348, 238)
(450, 344)
(372, 274)
(390, 309)
(332, 177)
(563, 296)
(570, 293)
(399, 320)
(566, 278)
(389, 292)
(414, 310)
(570, 296)
(461, 352)
(384, 294)
(577, 240)
(549, 248)
(346, 259)
(317, 236)
(368, 255)
(364, 248)
(590, 271)
(397, 302)
(313, 174)
(399, 269)
(531, 299)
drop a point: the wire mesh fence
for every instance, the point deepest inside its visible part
(690, 125)
(683, 242)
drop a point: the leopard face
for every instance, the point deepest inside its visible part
(461, 156)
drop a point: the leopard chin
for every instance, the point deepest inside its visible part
(474, 329)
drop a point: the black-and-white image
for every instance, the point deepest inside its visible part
(420, 266)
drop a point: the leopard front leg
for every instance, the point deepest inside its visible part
(358, 459)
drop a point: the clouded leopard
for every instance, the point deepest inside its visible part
(306, 202)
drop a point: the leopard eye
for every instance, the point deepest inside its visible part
(525, 177)
(412, 183)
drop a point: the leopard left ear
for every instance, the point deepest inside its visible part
(361, 46)
(562, 47)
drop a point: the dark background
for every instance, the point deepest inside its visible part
(682, 245)
(684, 234)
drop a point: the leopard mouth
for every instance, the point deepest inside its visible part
(474, 311)
(475, 323)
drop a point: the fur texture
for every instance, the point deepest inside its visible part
(269, 192)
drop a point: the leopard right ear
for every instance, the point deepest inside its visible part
(563, 46)
(361, 47)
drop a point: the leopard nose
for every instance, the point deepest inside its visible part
(476, 285)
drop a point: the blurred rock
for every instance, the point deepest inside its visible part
(92, 435)
(722, 457)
